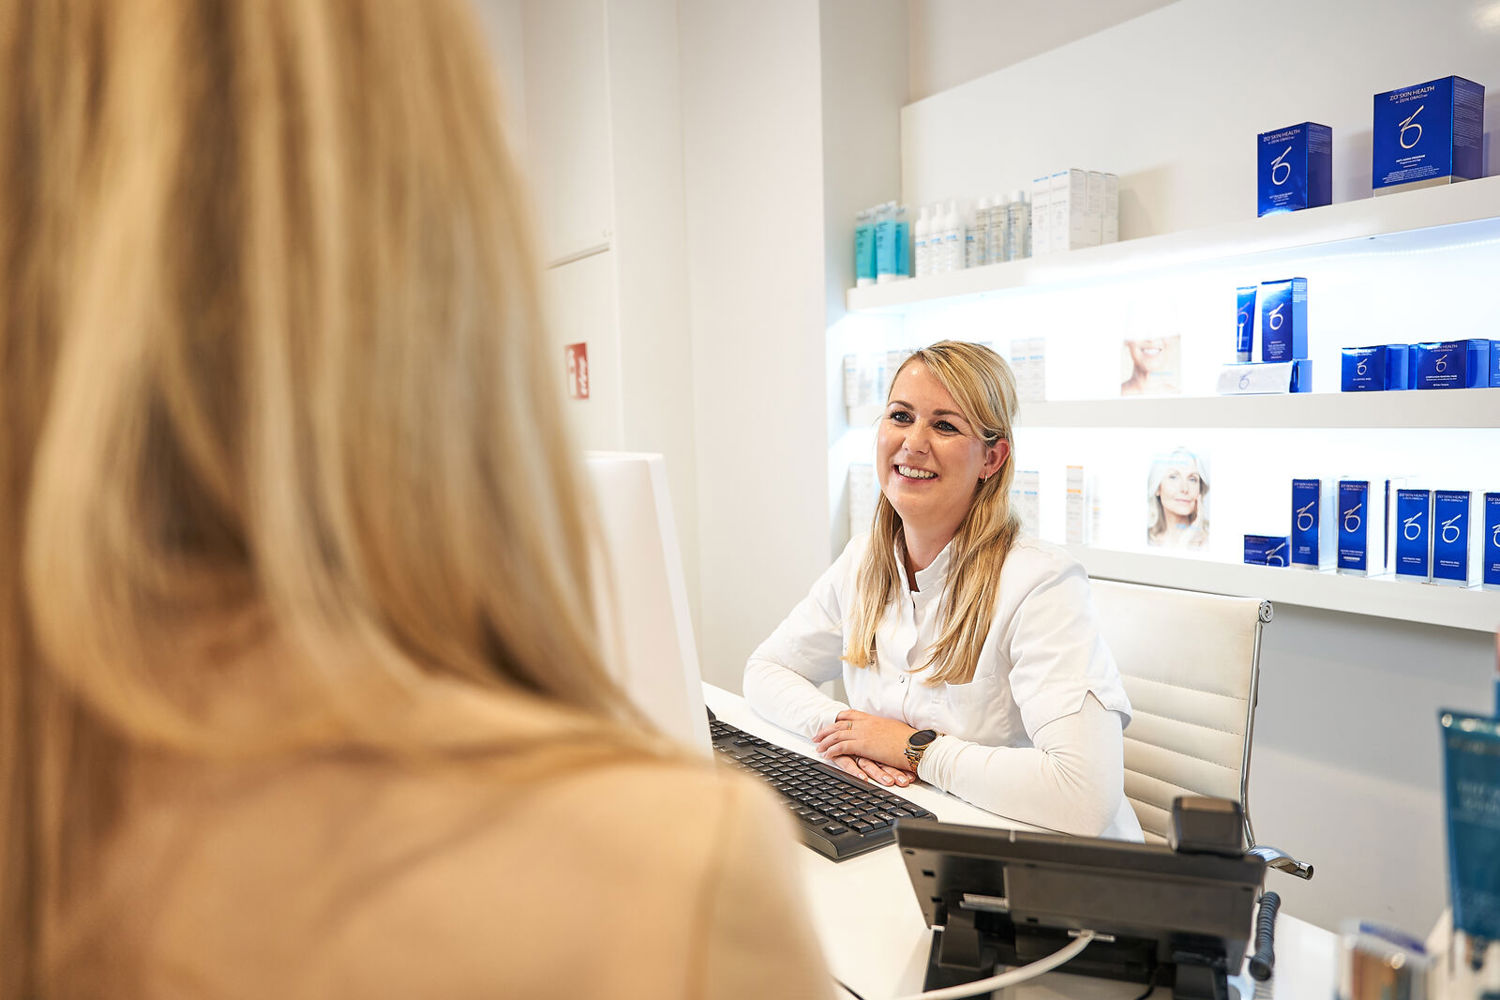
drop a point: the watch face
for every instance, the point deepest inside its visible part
(922, 737)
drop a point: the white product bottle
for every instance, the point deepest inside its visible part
(976, 247)
(920, 251)
(1018, 224)
(995, 236)
(953, 238)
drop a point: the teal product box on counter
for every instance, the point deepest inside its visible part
(1259, 377)
(1283, 319)
(1471, 785)
(1414, 535)
(1451, 364)
(1314, 524)
(1267, 550)
(1490, 576)
(1385, 367)
(1294, 168)
(1454, 546)
(1428, 134)
(1244, 330)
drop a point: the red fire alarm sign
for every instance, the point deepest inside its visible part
(578, 370)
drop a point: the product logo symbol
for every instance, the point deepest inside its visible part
(1281, 171)
(1304, 516)
(1450, 529)
(1352, 520)
(1244, 315)
(1441, 365)
(1245, 381)
(1408, 126)
(1412, 527)
(1272, 559)
(1495, 539)
(1274, 319)
(1362, 367)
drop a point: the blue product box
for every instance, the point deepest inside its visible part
(1376, 368)
(1490, 578)
(1428, 134)
(1313, 521)
(1454, 547)
(1354, 515)
(1452, 364)
(1495, 364)
(1267, 550)
(1283, 319)
(1295, 168)
(1244, 332)
(1414, 535)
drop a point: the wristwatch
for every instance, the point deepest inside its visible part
(917, 744)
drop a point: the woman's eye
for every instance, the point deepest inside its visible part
(901, 417)
(946, 427)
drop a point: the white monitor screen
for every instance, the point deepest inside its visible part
(648, 631)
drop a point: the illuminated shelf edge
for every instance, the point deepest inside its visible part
(1379, 597)
(1412, 408)
(1469, 202)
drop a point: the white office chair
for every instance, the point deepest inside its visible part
(1191, 665)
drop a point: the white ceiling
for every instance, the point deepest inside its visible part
(954, 41)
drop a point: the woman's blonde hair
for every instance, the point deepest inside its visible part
(272, 357)
(982, 385)
(1156, 515)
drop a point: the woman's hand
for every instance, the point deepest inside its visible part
(873, 737)
(872, 770)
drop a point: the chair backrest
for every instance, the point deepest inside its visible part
(1190, 664)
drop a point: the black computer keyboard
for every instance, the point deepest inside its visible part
(839, 815)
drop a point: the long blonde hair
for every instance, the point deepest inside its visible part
(271, 346)
(982, 385)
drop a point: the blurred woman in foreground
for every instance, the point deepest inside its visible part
(300, 688)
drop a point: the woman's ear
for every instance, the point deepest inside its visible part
(994, 458)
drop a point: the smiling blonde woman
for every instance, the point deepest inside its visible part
(301, 693)
(971, 653)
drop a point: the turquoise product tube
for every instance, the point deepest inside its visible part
(885, 244)
(864, 248)
(1471, 779)
(1245, 324)
(903, 243)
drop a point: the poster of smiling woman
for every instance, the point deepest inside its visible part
(1150, 367)
(1177, 500)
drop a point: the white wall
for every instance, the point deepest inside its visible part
(955, 41)
(1346, 772)
(752, 152)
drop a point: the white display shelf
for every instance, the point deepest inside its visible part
(1412, 408)
(1381, 597)
(1443, 216)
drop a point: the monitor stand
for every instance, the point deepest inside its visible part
(974, 945)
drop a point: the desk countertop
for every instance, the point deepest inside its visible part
(875, 939)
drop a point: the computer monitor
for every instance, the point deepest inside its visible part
(641, 597)
(1005, 897)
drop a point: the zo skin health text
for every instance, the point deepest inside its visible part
(1244, 331)
(1414, 535)
(1376, 368)
(1427, 135)
(1295, 168)
(1283, 319)
(1454, 547)
(1314, 524)
(1490, 572)
(1451, 364)
(1267, 550)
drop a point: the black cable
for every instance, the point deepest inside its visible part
(847, 988)
(1151, 984)
(1263, 962)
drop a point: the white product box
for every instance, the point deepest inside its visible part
(863, 492)
(1025, 499)
(1110, 226)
